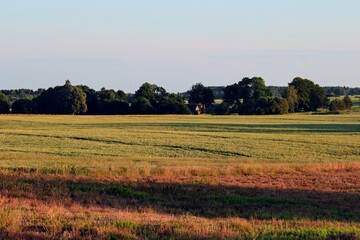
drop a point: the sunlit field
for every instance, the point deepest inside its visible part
(293, 176)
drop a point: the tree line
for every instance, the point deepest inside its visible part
(248, 96)
(251, 96)
(278, 91)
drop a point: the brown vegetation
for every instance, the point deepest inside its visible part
(76, 207)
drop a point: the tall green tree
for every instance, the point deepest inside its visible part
(252, 89)
(146, 91)
(232, 94)
(151, 92)
(92, 101)
(347, 102)
(153, 99)
(4, 104)
(248, 96)
(148, 98)
(66, 99)
(310, 95)
(292, 97)
(201, 95)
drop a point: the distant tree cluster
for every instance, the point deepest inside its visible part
(152, 99)
(69, 99)
(16, 94)
(251, 96)
(248, 96)
(340, 104)
(278, 91)
(341, 91)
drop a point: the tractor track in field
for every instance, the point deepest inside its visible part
(107, 141)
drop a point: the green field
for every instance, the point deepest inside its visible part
(148, 177)
(98, 142)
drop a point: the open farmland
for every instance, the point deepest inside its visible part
(149, 177)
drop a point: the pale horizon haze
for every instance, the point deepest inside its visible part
(121, 44)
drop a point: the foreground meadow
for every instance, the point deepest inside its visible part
(149, 177)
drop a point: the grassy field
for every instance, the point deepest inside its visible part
(179, 177)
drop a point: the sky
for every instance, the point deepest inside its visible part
(121, 44)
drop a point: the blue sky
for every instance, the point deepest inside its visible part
(121, 44)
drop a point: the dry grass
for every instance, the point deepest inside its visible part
(77, 207)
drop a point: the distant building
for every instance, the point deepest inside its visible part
(196, 108)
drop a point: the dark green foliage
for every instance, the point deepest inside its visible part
(303, 87)
(106, 101)
(252, 89)
(340, 104)
(251, 96)
(341, 91)
(16, 94)
(65, 99)
(218, 91)
(91, 99)
(208, 96)
(248, 96)
(118, 107)
(232, 94)
(292, 98)
(279, 106)
(226, 108)
(347, 102)
(4, 104)
(110, 102)
(201, 95)
(172, 104)
(262, 106)
(247, 108)
(310, 95)
(318, 98)
(146, 98)
(142, 106)
(277, 91)
(329, 91)
(68, 99)
(152, 99)
(23, 106)
(148, 91)
(151, 92)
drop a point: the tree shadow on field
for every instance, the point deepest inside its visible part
(248, 128)
(262, 128)
(199, 199)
